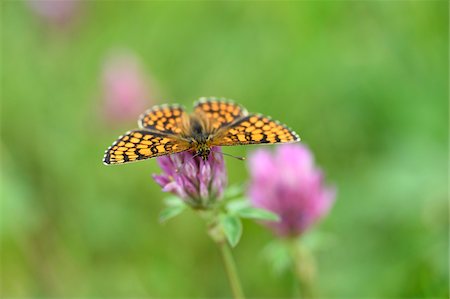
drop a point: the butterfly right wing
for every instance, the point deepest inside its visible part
(219, 112)
(141, 144)
(254, 129)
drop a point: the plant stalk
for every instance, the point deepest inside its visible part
(217, 235)
(304, 270)
(230, 268)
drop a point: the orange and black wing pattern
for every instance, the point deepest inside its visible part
(168, 119)
(141, 144)
(255, 129)
(219, 112)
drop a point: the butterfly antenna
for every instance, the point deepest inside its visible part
(236, 157)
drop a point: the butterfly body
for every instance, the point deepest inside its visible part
(168, 129)
(198, 136)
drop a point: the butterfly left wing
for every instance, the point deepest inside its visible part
(168, 119)
(141, 144)
(254, 129)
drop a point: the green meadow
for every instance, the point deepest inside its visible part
(364, 84)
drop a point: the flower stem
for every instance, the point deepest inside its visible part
(230, 268)
(216, 233)
(304, 269)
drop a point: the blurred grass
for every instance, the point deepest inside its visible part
(363, 83)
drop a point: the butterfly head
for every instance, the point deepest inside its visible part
(203, 150)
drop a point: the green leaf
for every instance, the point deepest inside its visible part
(232, 228)
(173, 201)
(317, 240)
(259, 214)
(277, 254)
(233, 191)
(238, 204)
(170, 212)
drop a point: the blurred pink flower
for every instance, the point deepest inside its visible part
(55, 11)
(288, 184)
(199, 183)
(126, 90)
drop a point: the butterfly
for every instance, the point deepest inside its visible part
(168, 129)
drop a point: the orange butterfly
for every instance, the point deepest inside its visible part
(168, 129)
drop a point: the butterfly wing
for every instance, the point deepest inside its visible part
(168, 119)
(141, 144)
(219, 112)
(254, 129)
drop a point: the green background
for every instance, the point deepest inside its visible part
(363, 83)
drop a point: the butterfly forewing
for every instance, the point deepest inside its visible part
(164, 118)
(142, 144)
(255, 129)
(219, 112)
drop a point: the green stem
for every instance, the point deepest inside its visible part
(216, 233)
(304, 269)
(230, 268)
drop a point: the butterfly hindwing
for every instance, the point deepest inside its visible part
(163, 118)
(255, 129)
(141, 144)
(219, 112)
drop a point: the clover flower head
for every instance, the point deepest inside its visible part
(126, 89)
(59, 12)
(199, 183)
(288, 184)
